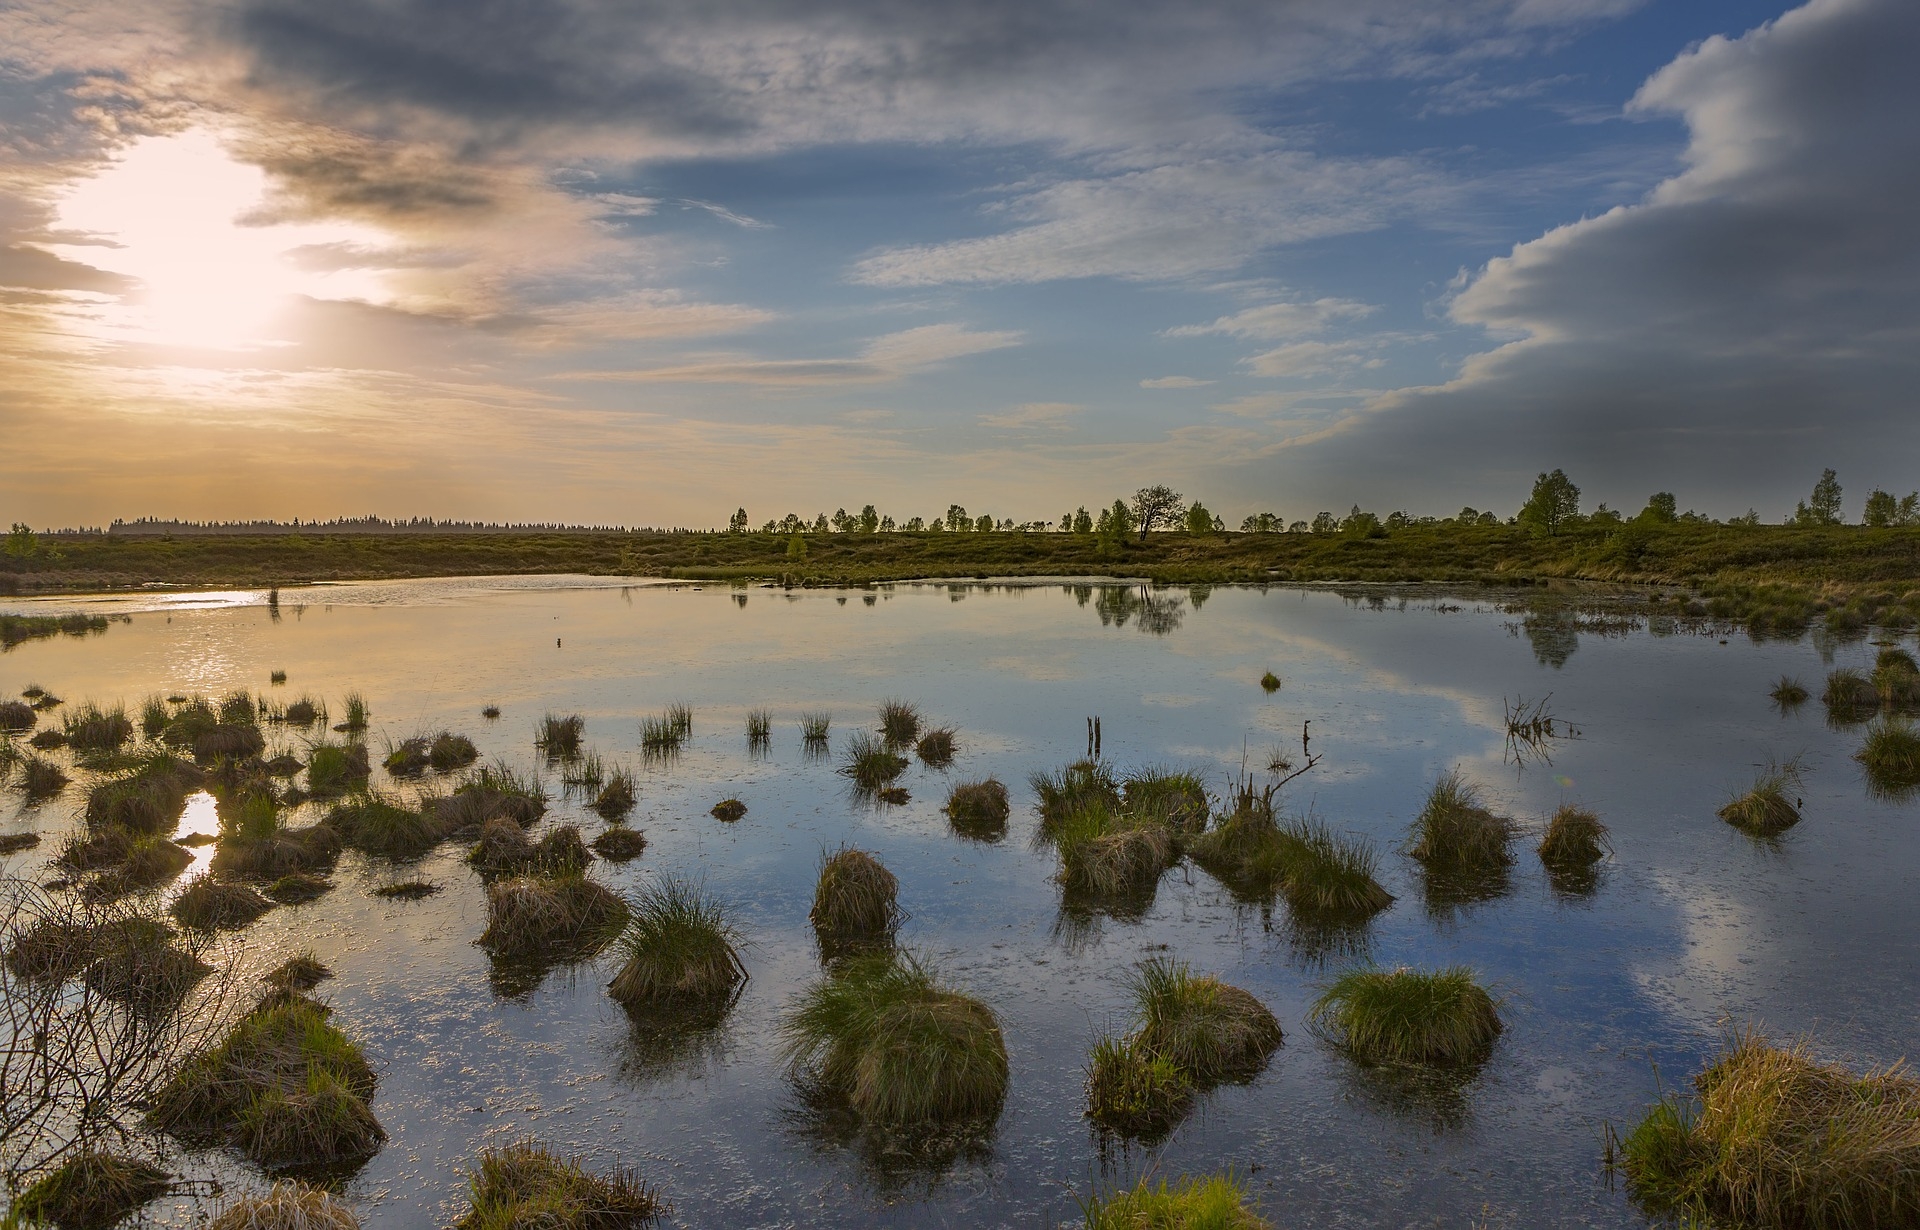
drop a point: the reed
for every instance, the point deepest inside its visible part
(681, 953)
(856, 903)
(91, 1190)
(1407, 1016)
(870, 763)
(881, 1033)
(978, 810)
(1216, 1202)
(1777, 1140)
(936, 747)
(899, 722)
(1771, 806)
(681, 717)
(1210, 1031)
(524, 1185)
(1133, 1092)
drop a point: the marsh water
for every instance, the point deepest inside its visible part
(1608, 994)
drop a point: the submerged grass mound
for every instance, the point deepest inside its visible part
(90, 1191)
(978, 809)
(297, 888)
(881, 1033)
(289, 1206)
(523, 1186)
(1217, 1202)
(870, 763)
(449, 751)
(147, 799)
(617, 797)
(1081, 784)
(558, 919)
(1455, 832)
(1406, 1016)
(408, 890)
(1771, 806)
(13, 843)
(936, 747)
(208, 904)
(1779, 1141)
(278, 852)
(899, 723)
(856, 903)
(1135, 1092)
(1891, 756)
(1269, 683)
(728, 810)
(620, 844)
(682, 954)
(286, 1087)
(1211, 1031)
(92, 729)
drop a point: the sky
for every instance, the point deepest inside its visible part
(647, 261)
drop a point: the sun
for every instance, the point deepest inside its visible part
(172, 214)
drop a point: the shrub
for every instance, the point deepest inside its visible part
(562, 918)
(285, 1086)
(90, 1191)
(728, 810)
(681, 952)
(870, 764)
(1214, 1203)
(289, 1206)
(1211, 1031)
(523, 1185)
(936, 747)
(619, 844)
(1406, 1016)
(899, 723)
(855, 903)
(881, 1033)
(1780, 1141)
(1134, 1092)
(978, 809)
(1770, 807)
(208, 904)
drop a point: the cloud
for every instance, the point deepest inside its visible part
(883, 360)
(1044, 414)
(1755, 318)
(1174, 382)
(1272, 322)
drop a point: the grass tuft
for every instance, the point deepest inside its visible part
(92, 729)
(936, 747)
(289, 1206)
(728, 810)
(870, 763)
(298, 887)
(856, 903)
(619, 844)
(899, 722)
(16, 716)
(333, 769)
(1771, 806)
(523, 1186)
(558, 736)
(1216, 1202)
(40, 778)
(1574, 843)
(299, 973)
(1111, 857)
(504, 849)
(1269, 683)
(1070, 789)
(1891, 756)
(1779, 1141)
(1850, 697)
(759, 725)
(1210, 1031)
(357, 713)
(1177, 799)
(377, 824)
(1456, 832)
(1135, 1092)
(617, 797)
(661, 734)
(978, 810)
(208, 904)
(408, 890)
(1406, 1016)
(90, 1191)
(881, 1033)
(681, 952)
(551, 919)
(814, 727)
(491, 713)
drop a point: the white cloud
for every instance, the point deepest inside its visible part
(883, 360)
(1174, 382)
(1272, 322)
(1048, 414)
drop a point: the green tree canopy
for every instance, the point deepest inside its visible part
(1554, 501)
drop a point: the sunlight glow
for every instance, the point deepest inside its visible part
(169, 213)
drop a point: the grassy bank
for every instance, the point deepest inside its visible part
(1788, 571)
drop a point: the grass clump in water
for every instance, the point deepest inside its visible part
(1407, 1016)
(936, 747)
(814, 727)
(450, 751)
(661, 734)
(357, 714)
(1210, 1031)
(1573, 846)
(289, 1206)
(286, 1087)
(899, 723)
(1771, 806)
(16, 716)
(1780, 1141)
(524, 1185)
(377, 824)
(882, 1034)
(856, 903)
(1176, 798)
(1456, 832)
(333, 769)
(1068, 790)
(619, 844)
(617, 797)
(299, 973)
(491, 791)
(40, 778)
(554, 919)
(728, 810)
(1112, 859)
(90, 1191)
(1850, 697)
(759, 726)
(682, 954)
(1134, 1092)
(586, 771)
(92, 729)
(1891, 757)
(504, 849)
(1329, 877)
(1269, 683)
(1216, 1202)
(871, 763)
(978, 809)
(208, 904)
(147, 799)
(407, 890)
(297, 888)
(304, 712)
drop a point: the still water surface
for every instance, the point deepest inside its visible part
(1693, 925)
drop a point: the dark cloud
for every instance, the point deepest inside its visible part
(25, 268)
(1757, 318)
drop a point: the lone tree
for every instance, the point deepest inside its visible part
(1199, 520)
(1824, 506)
(1154, 506)
(1554, 500)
